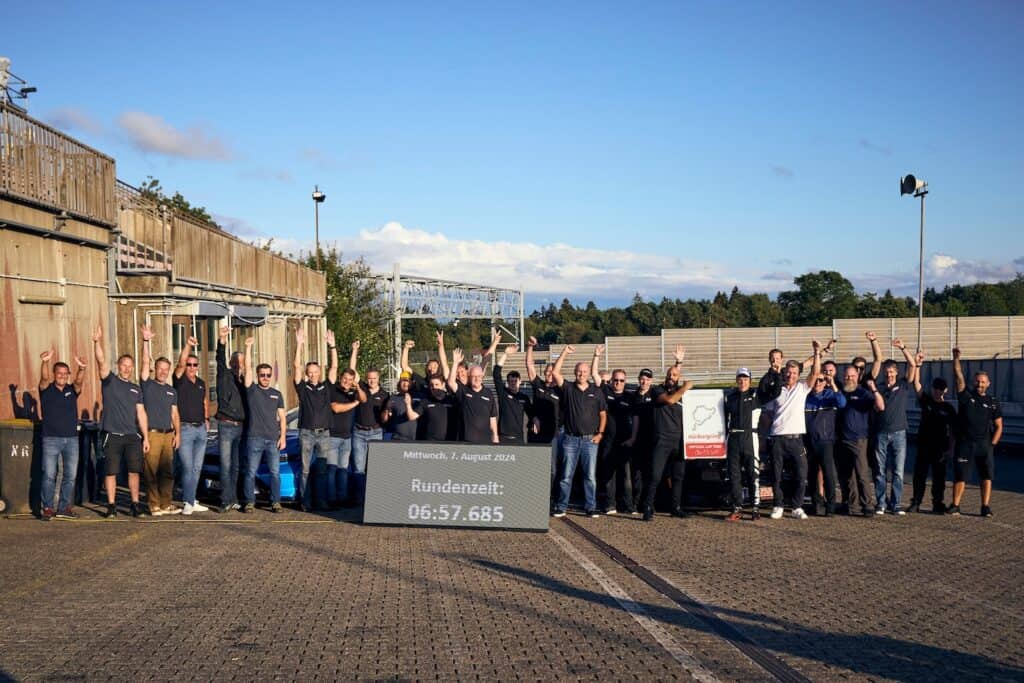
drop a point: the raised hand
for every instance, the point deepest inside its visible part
(919, 358)
(871, 336)
(147, 332)
(355, 345)
(870, 384)
(898, 344)
(569, 350)
(956, 353)
(409, 343)
(511, 348)
(45, 356)
(440, 337)
(599, 350)
(97, 335)
(816, 345)
(249, 341)
(828, 347)
(224, 333)
(79, 362)
(680, 353)
(300, 336)
(531, 342)
(457, 356)
(193, 342)
(330, 337)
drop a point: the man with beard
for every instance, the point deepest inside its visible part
(477, 405)
(979, 429)
(435, 410)
(934, 440)
(614, 477)
(787, 432)
(740, 404)
(513, 405)
(862, 399)
(585, 416)
(667, 455)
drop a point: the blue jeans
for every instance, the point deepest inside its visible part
(257, 448)
(191, 451)
(361, 439)
(890, 452)
(64, 448)
(337, 468)
(230, 438)
(578, 449)
(311, 441)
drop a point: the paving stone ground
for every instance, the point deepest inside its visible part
(311, 597)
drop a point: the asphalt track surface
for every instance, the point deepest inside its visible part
(321, 597)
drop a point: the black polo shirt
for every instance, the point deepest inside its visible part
(341, 423)
(621, 408)
(60, 410)
(159, 398)
(546, 408)
(314, 405)
(582, 408)
(119, 400)
(263, 406)
(668, 417)
(513, 409)
(770, 386)
(368, 413)
(894, 417)
(434, 412)
(190, 399)
(739, 409)
(976, 415)
(400, 424)
(643, 405)
(477, 408)
(230, 389)
(938, 419)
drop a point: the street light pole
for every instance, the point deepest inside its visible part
(318, 199)
(919, 188)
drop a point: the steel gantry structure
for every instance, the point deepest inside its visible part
(411, 296)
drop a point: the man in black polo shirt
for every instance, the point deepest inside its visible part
(230, 419)
(369, 425)
(314, 423)
(194, 409)
(267, 429)
(345, 398)
(642, 442)
(979, 429)
(668, 439)
(59, 401)
(124, 425)
(891, 439)
(476, 403)
(585, 416)
(614, 476)
(740, 404)
(934, 440)
(547, 399)
(161, 401)
(513, 405)
(401, 410)
(435, 407)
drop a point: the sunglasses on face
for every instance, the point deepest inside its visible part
(820, 380)
(618, 380)
(264, 375)
(192, 365)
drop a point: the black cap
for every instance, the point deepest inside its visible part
(647, 372)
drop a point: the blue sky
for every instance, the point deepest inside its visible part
(588, 150)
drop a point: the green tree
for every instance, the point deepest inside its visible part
(819, 298)
(154, 192)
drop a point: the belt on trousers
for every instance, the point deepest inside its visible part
(788, 436)
(366, 429)
(195, 424)
(580, 435)
(740, 431)
(231, 420)
(316, 430)
(162, 431)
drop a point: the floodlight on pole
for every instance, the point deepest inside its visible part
(910, 184)
(318, 199)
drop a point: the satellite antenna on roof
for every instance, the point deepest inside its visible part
(13, 87)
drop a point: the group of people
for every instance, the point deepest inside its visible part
(849, 430)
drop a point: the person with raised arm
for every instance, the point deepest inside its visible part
(230, 418)
(476, 403)
(979, 429)
(891, 437)
(547, 405)
(862, 401)
(614, 476)
(124, 426)
(267, 429)
(194, 410)
(58, 398)
(935, 440)
(740, 404)
(514, 406)
(371, 415)
(161, 401)
(787, 432)
(346, 397)
(314, 424)
(667, 454)
(820, 411)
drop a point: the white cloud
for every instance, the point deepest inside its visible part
(151, 133)
(948, 269)
(73, 118)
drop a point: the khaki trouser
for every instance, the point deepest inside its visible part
(159, 470)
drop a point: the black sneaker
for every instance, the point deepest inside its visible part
(67, 514)
(593, 513)
(953, 510)
(755, 515)
(938, 508)
(680, 512)
(914, 506)
(111, 511)
(136, 510)
(648, 514)
(830, 510)
(986, 511)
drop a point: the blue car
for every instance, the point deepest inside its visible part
(291, 465)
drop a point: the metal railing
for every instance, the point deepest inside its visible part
(42, 166)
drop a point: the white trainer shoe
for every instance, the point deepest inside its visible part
(777, 513)
(172, 510)
(799, 514)
(187, 510)
(199, 507)
(158, 513)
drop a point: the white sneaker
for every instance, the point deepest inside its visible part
(187, 510)
(172, 510)
(799, 514)
(158, 513)
(199, 507)
(777, 513)
(234, 506)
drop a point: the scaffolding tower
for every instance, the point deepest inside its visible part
(411, 296)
